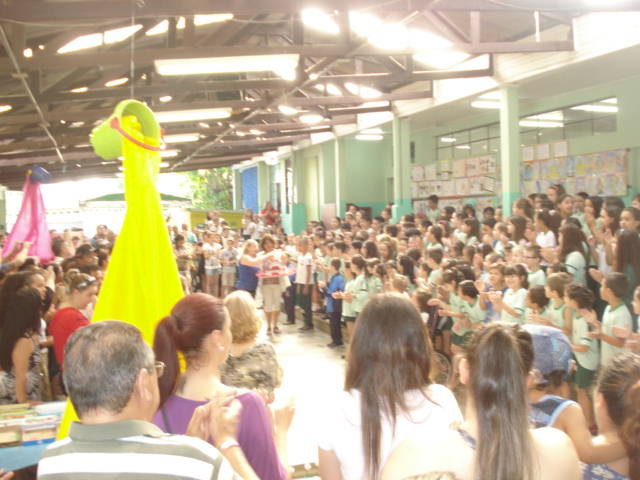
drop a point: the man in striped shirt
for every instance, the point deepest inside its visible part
(112, 381)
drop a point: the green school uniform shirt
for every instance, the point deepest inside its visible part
(579, 330)
(474, 312)
(360, 293)
(576, 266)
(516, 301)
(556, 314)
(537, 278)
(618, 316)
(347, 308)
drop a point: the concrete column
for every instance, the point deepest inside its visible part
(510, 150)
(264, 184)
(339, 176)
(237, 190)
(401, 168)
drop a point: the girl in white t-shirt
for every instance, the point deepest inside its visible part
(388, 393)
(511, 305)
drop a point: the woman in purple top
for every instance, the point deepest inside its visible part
(198, 327)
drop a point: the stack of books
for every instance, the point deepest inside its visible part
(23, 424)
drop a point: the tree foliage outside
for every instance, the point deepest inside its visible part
(211, 188)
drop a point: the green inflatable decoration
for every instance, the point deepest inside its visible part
(106, 138)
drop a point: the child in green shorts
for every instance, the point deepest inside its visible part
(579, 298)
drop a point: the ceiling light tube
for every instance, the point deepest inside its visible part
(249, 63)
(597, 108)
(168, 153)
(485, 104)
(371, 138)
(192, 115)
(116, 82)
(181, 138)
(287, 110)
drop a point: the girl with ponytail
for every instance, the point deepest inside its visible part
(199, 328)
(617, 409)
(495, 442)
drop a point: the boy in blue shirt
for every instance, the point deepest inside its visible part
(334, 305)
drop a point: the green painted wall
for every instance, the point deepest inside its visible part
(366, 172)
(626, 136)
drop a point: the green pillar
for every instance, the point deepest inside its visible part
(264, 190)
(237, 190)
(339, 176)
(509, 147)
(401, 168)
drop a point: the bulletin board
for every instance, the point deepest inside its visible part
(455, 181)
(602, 173)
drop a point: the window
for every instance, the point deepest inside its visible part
(592, 118)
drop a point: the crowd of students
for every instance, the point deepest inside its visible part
(536, 314)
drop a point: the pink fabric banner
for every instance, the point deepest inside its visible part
(31, 225)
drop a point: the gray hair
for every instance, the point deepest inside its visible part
(101, 364)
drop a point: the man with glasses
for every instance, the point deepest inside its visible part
(112, 379)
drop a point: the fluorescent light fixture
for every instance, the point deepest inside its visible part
(279, 64)
(556, 116)
(311, 118)
(441, 60)
(485, 104)
(159, 29)
(613, 101)
(286, 72)
(364, 92)
(597, 108)
(313, 76)
(319, 87)
(390, 36)
(320, 21)
(241, 134)
(447, 140)
(168, 153)
(181, 138)
(287, 110)
(166, 98)
(495, 95)
(163, 164)
(121, 168)
(540, 124)
(116, 82)
(93, 40)
(82, 42)
(333, 90)
(364, 24)
(119, 174)
(192, 115)
(5, 108)
(253, 131)
(120, 34)
(213, 18)
(79, 90)
(371, 138)
(425, 41)
(76, 124)
(463, 147)
(27, 52)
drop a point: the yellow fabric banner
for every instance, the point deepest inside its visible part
(142, 283)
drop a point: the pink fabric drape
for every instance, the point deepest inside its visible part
(31, 225)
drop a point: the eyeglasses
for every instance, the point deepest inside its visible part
(159, 366)
(86, 282)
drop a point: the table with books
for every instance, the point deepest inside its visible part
(25, 431)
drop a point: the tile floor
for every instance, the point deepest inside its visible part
(312, 374)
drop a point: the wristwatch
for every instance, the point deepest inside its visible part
(228, 444)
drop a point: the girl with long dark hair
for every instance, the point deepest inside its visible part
(572, 252)
(388, 392)
(495, 442)
(20, 348)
